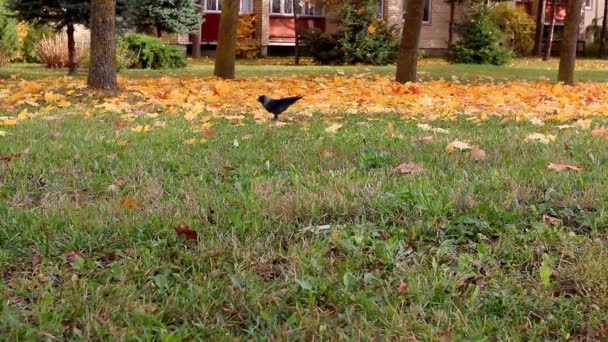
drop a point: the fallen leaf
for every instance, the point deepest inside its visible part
(246, 137)
(186, 232)
(36, 260)
(564, 167)
(112, 156)
(553, 221)
(333, 128)
(457, 144)
(129, 202)
(3, 133)
(8, 122)
(477, 153)
(11, 156)
(408, 168)
(208, 133)
(402, 287)
(70, 256)
(583, 124)
(539, 137)
(537, 122)
(317, 229)
(600, 132)
(123, 142)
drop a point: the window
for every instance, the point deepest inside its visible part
(426, 17)
(216, 6)
(304, 7)
(588, 5)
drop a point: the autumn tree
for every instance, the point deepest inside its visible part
(181, 16)
(567, 56)
(410, 39)
(102, 69)
(226, 43)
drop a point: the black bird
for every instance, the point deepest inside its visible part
(277, 107)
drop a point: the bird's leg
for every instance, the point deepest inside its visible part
(276, 117)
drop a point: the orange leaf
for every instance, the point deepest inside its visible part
(208, 133)
(129, 202)
(36, 260)
(186, 232)
(408, 168)
(402, 287)
(563, 167)
(11, 156)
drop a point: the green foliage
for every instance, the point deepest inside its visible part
(125, 57)
(366, 38)
(154, 54)
(9, 41)
(519, 25)
(32, 38)
(323, 48)
(481, 40)
(55, 12)
(181, 16)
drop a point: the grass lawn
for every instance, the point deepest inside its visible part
(303, 233)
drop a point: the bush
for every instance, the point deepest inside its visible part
(246, 44)
(154, 54)
(9, 38)
(52, 51)
(323, 48)
(519, 25)
(367, 38)
(481, 40)
(33, 36)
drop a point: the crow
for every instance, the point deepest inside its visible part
(277, 107)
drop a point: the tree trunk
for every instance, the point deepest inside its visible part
(567, 54)
(603, 31)
(196, 41)
(159, 32)
(451, 23)
(551, 30)
(102, 69)
(297, 33)
(410, 39)
(540, 28)
(72, 65)
(226, 42)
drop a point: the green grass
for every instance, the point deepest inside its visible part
(458, 250)
(430, 69)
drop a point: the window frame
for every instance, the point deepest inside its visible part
(283, 14)
(589, 7)
(218, 5)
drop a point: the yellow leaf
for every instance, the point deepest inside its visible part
(140, 128)
(539, 137)
(8, 122)
(457, 144)
(22, 115)
(190, 141)
(3, 133)
(333, 128)
(371, 28)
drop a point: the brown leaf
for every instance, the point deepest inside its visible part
(477, 153)
(186, 232)
(36, 260)
(553, 221)
(563, 167)
(208, 133)
(70, 256)
(123, 142)
(600, 132)
(128, 202)
(402, 287)
(11, 156)
(112, 156)
(408, 168)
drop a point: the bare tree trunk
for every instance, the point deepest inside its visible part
(102, 69)
(567, 55)
(603, 31)
(540, 28)
(196, 41)
(72, 65)
(410, 39)
(551, 30)
(297, 33)
(226, 43)
(159, 32)
(451, 23)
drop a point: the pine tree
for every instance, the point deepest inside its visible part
(181, 16)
